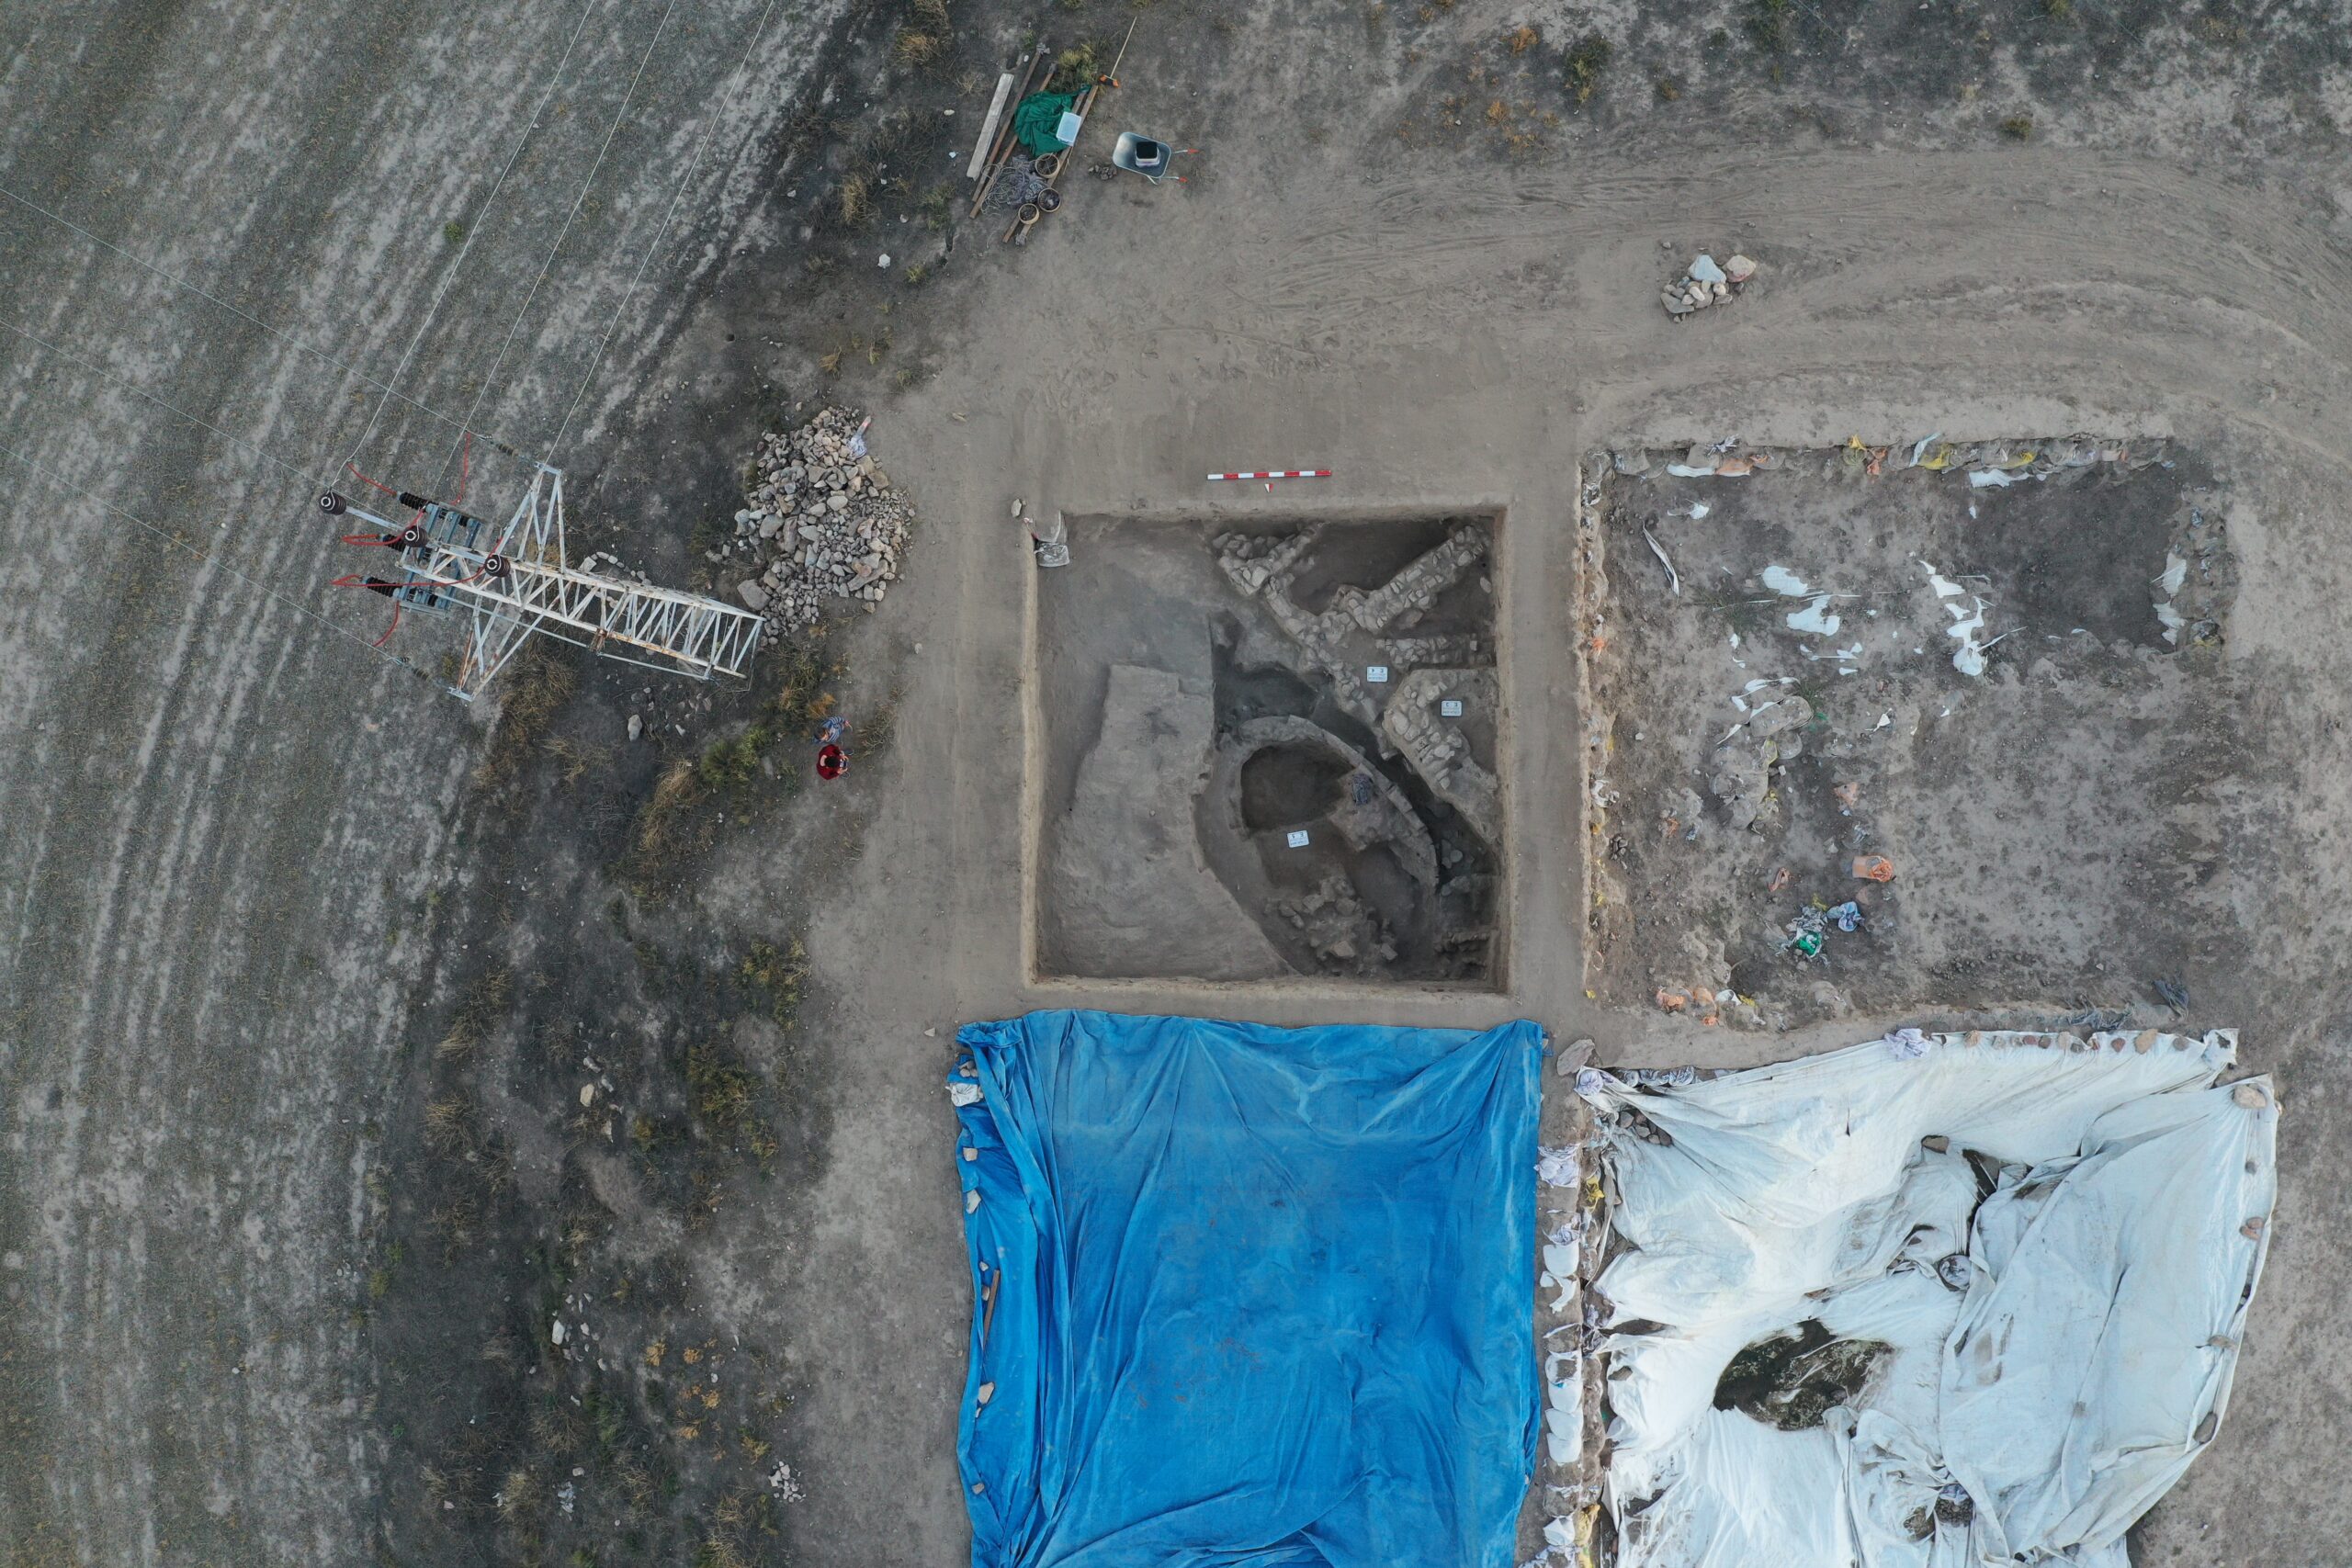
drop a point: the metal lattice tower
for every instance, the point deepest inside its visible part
(512, 582)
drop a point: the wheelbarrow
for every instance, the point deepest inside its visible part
(1142, 155)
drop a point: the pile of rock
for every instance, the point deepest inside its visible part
(1769, 737)
(1346, 934)
(1706, 283)
(821, 522)
(603, 563)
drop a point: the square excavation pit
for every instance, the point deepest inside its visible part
(2010, 690)
(1270, 751)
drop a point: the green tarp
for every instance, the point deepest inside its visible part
(1036, 120)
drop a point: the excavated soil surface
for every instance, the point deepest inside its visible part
(1793, 704)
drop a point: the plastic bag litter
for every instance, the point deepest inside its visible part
(1815, 617)
(1806, 937)
(1906, 1044)
(1988, 478)
(1673, 579)
(1558, 1168)
(1565, 1283)
(1563, 1437)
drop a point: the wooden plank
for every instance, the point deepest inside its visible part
(1005, 136)
(987, 126)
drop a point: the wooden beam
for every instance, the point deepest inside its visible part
(1005, 136)
(987, 126)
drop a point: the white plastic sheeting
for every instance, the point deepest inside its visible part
(1992, 1293)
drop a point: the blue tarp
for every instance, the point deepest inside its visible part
(1247, 1296)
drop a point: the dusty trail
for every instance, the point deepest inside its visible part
(225, 826)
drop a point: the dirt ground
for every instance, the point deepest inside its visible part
(246, 861)
(1959, 681)
(260, 1290)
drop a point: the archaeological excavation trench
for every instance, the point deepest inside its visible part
(1270, 752)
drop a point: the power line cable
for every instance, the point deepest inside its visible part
(264, 455)
(554, 78)
(709, 133)
(177, 543)
(564, 233)
(201, 293)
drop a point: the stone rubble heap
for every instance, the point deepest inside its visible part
(1705, 283)
(1346, 933)
(821, 522)
(603, 563)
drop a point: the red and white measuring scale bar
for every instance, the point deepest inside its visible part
(1279, 474)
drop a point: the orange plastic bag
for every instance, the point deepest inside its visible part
(1874, 868)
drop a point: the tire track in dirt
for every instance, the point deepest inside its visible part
(213, 809)
(1321, 270)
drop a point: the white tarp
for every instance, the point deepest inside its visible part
(1933, 1302)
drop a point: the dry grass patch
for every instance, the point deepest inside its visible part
(532, 691)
